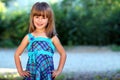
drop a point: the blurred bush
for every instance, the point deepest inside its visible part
(13, 26)
(78, 22)
(88, 22)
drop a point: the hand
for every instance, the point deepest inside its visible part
(24, 73)
(55, 73)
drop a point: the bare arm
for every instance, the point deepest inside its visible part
(61, 51)
(17, 54)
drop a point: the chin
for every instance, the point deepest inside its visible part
(40, 27)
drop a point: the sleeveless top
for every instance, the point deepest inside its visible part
(40, 58)
(39, 45)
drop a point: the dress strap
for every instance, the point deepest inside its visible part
(30, 37)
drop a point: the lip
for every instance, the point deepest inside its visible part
(39, 24)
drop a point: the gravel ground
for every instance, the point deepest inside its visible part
(79, 59)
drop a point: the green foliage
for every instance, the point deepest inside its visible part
(60, 77)
(78, 22)
(88, 22)
(13, 29)
(10, 76)
(6, 1)
(98, 77)
(70, 76)
(115, 47)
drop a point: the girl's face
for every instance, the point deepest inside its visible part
(40, 22)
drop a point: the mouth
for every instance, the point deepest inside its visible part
(39, 24)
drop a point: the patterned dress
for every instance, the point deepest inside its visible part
(40, 58)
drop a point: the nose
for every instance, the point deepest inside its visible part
(40, 19)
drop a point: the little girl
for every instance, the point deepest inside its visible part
(41, 43)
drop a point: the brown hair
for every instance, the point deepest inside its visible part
(43, 9)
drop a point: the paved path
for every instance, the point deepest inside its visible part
(84, 61)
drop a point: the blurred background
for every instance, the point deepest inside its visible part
(88, 29)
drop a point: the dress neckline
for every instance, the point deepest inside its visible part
(39, 36)
(32, 37)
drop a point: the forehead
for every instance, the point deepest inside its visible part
(37, 16)
(41, 12)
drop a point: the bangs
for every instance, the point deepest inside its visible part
(44, 10)
(41, 12)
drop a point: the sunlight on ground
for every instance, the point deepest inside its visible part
(4, 70)
(8, 73)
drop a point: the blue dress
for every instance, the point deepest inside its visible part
(40, 58)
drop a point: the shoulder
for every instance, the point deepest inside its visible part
(28, 35)
(55, 39)
(26, 38)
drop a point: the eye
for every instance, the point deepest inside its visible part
(36, 16)
(44, 17)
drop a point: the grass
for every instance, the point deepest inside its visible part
(15, 76)
(71, 76)
(10, 76)
(115, 47)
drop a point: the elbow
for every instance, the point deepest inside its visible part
(64, 55)
(16, 55)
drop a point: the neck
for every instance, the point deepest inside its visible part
(40, 31)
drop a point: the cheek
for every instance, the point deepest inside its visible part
(46, 21)
(35, 20)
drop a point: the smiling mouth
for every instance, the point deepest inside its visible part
(39, 24)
